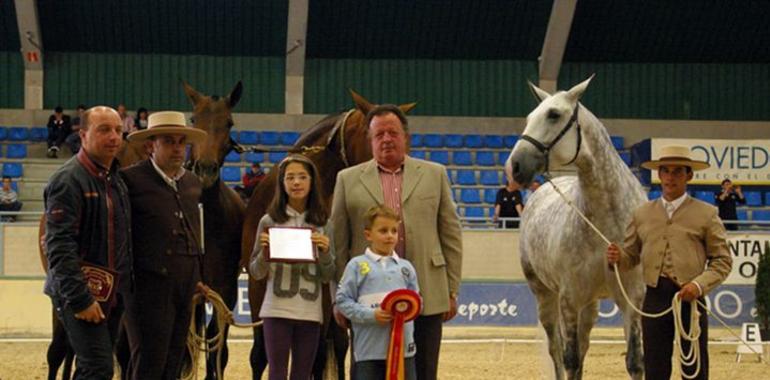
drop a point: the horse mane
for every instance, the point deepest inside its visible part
(311, 136)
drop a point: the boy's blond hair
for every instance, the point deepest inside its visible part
(379, 211)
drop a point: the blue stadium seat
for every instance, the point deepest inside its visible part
(276, 157)
(474, 141)
(433, 140)
(18, 134)
(38, 134)
(510, 140)
(1, 151)
(249, 138)
(654, 194)
(706, 196)
(502, 157)
(617, 142)
(3, 133)
(289, 138)
(269, 138)
(453, 141)
(13, 169)
(466, 177)
(234, 135)
(490, 177)
(743, 214)
(462, 158)
(233, 156)
(767, 198)
(15, 187)
(470, 196)
(16, 151)
(440, 156)
(763, 215)
(490, 195)
(231, 174)
(626, 157)
(485, 158)
(415, 140)
(417, 154)
(474, 212)
(493, 141)
(753, 198)
(253, 157)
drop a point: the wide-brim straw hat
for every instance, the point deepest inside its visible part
(676, 155)
(167, 123)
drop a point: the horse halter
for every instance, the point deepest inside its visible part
(339, 127)
(546, 149)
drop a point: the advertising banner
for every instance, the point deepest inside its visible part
(745, 162)
(513, 304)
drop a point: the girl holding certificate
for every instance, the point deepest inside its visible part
(291, 310)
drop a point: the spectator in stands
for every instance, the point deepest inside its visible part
(532, 187)
(73, 140)
(726, 200)
(508, 204)
(251, 179)
(141, 118)
(59, 127)
(430, 235)
(9, 200)
(127, 120)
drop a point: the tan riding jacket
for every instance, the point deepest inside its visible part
(696, 239)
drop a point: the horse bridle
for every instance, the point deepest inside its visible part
(546, 149)
(339, 128)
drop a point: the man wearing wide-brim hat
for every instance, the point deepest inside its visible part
(165, 230)
(681, 244)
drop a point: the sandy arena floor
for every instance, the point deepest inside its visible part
(461, 357)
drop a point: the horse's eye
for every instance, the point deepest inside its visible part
(192, 120)
(553, 115)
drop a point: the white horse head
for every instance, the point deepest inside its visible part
(552, 135)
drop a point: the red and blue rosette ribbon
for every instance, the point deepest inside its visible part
(404, 305)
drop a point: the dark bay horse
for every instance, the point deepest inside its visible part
(334, 143)
(223, 212)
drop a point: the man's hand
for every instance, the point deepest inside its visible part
(613, 254)
(452, 309)
(382, 316)
(689, 292)
(340, 318)
(91, 314)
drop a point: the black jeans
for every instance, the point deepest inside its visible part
(93, 342)
(377, 369)
(427, 337)
(658, 333)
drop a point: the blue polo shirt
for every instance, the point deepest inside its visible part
(368, 278)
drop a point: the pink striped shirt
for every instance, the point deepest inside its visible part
(391, 190)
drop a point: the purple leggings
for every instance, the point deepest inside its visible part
(288, 335)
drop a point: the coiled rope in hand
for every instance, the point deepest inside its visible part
(692, 357)
(197, 343)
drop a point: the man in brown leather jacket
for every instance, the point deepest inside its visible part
(87, 221)
(166, 234)
(681, 244)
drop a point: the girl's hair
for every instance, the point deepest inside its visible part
(316, 213)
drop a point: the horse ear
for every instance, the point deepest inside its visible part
(191, 93)
(235, 94)
(576, 92)
(362, 104)
(537, 92)
(407, 107)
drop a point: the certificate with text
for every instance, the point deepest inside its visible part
(290, 244)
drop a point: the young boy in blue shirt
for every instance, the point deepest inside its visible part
(368, 278)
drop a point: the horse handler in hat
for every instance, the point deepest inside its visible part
(167, 254)
(681, 243)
